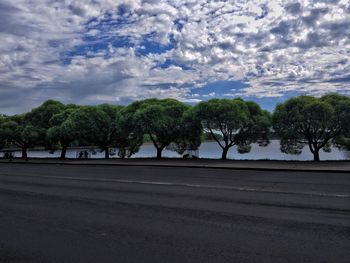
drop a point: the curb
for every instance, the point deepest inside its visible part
(186, 166)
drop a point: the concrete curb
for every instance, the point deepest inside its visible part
(183, 166)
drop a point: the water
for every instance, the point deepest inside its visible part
(213, 151)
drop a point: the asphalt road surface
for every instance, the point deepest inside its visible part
(77, 213)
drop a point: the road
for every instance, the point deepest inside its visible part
(77, 213)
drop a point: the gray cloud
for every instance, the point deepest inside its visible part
(294, 8)
(86, 51)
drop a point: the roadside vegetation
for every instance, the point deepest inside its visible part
(317, 123)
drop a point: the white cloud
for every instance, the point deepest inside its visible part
(278, 47)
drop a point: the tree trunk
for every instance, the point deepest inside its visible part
(63, 152)
(106, 152)
(224, 153)
(159, 148)
(24, 153)
(316, 155)
(159, 152)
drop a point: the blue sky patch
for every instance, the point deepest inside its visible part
(226, 89)
(150, 46)
(220, 88)
(93, 45)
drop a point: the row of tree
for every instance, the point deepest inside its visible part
(168, 123)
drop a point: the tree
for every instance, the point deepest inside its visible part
(128, 139)
(234, 122)
(160, 120)
(341, 105)
(96, 125)
(255, 130)
(315, 122)
(40, 117)
(18, 132)
(109, 137)
(3, 139)
(191, 130)
(62, 131)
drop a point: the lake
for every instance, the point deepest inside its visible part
(213, 151)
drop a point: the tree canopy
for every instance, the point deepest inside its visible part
(190, 134)
(237, 122)
(161, 120)
(17, 131)
(341, 105)
(95, 125)
(304, 121)
(62, 131)
(315, 122)
(40, 118)
(128, 138)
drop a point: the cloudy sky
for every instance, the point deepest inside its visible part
(118, 51)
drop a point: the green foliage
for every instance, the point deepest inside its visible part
(128, 139)
(161, 120)
(95, 125)
(41, 115)
(341, 105)
(318, 123)
(238, 123)
(315, 122)
(2, 118)
(3, 138)
(190, 133)
(40, 118)
(62, 131)
(18, 132)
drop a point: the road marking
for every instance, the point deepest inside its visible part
(233, 188)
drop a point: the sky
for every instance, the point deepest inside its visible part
(119, 51)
